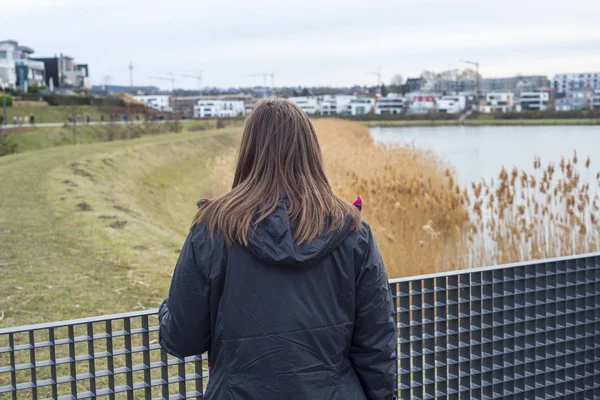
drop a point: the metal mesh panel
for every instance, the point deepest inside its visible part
(523, 331)
(114, 357)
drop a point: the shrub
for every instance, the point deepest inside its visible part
(7, 144)
(8, 99)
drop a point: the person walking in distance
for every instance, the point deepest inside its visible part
(280, 280)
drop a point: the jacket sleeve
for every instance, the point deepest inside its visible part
(374, 341)
(185, 315)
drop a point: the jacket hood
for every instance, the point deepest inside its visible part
(272, 240)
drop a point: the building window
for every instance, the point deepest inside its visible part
(3, 55)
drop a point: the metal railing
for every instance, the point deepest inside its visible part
(519, 331)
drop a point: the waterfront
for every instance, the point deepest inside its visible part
(476, 152)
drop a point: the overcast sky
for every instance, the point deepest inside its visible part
(308, 42)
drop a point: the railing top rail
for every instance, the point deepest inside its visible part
(492, 268)
(79, 321)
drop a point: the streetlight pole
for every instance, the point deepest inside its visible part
(3, 102)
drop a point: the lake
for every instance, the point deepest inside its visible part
(480, 151)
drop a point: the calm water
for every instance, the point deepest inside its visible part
(477, 152)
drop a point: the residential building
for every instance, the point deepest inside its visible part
(219, 109)
(564, 83)
(515, 84)
(159, 102)
(308, 104)
(64, 72)
(8, 74)
(574, 100)
(30, 72)
(412, 85)
(390, 105)
(596, 99)
(361, 106)
(335, 104)
(419, 103)
(497, 102)
(533, 101)
(17, 69)
(451, 104)
(184, 105)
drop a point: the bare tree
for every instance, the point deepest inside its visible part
(397, 80)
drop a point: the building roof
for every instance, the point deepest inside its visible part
(26, 49)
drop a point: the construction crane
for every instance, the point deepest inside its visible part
(378, 73)
(197, 77)
(165, 78)
(265, 76)
(476, 64)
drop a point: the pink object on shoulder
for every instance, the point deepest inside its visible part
(358, 203)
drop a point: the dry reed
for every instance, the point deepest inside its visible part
(425, 222)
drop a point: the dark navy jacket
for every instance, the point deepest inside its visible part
(282, 321)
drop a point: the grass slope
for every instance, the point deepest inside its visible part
(37, 138)
(48, 114)
(95, 229)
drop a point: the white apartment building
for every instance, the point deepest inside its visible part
(335, 104)
(309, 105)
(419, 103)
(564, 83)
(219, 109)
(497, 102)
(361, 106)
(596, 99)
(575, 100)
(390, 105)
(451, 104)
(8, 73)
(533, 101)
(157, 102)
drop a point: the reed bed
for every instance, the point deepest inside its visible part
(425, 222)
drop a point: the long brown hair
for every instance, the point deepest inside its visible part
(279, 153)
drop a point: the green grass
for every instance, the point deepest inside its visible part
(48, 114)
(484, 122)
(95, 229)
(29, 139)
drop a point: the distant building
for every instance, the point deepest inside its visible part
(575, 100)
(515, 84)
(361, 106)
(159, 102)
(184, 105)
(308, 104)
(497, 102)
(390, 105)
(564, 83)
(533, 101)
(16, 67)
(30, 72)
(8, 74)
(106, 90)
(596, 99)
(419, 103)
(219, 109)
(412, 85)
(335, 104)
(65, 72)
(451, 104)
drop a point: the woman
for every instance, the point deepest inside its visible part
(280, 281)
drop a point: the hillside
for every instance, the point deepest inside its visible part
(96, 229)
